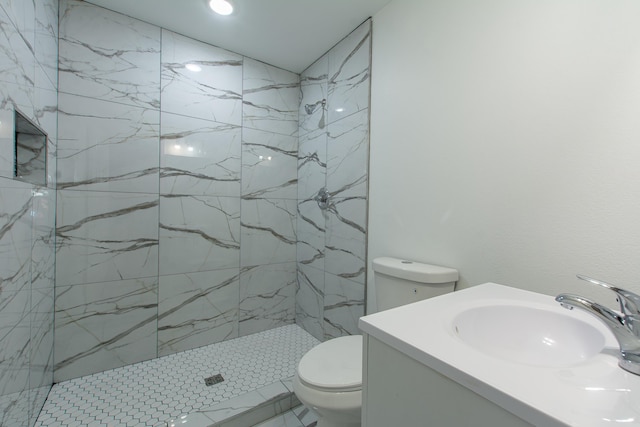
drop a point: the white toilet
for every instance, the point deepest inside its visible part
(329, 376)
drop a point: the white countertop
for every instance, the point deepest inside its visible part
(593, 392)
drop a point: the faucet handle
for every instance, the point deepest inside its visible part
(629, 302)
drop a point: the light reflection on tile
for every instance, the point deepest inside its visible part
(199, 157)
(269, 165)
(313, 90)
(200, 80)
(349, 73)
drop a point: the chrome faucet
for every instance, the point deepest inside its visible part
(625, 325)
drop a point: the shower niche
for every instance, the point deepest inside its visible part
(30, 151)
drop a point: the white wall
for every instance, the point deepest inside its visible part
(505, 140)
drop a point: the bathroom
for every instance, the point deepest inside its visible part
(502, 140)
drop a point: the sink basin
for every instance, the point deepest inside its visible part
(532, 336)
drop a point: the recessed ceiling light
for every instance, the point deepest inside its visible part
(221, 7)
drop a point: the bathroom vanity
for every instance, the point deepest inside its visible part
(494, 356)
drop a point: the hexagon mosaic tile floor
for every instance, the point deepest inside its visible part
(151, 392)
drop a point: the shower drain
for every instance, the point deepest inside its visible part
(214, 379)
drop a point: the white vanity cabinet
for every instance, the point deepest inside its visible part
(399, 391)
(426, 364)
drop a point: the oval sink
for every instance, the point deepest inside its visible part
(528, 335)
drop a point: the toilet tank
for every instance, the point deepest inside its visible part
(399, 282)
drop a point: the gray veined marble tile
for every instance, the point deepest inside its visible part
(105, 236)
(349, 73)
(107, 146)
(15, 237)
(107, 55)
(310, 300)
(100, 326)
(15, 333)
(46, 117)
(269, 165)
(268, 231)
(199, 233)
(31, 158)
(17, 61)
(199, 157)
(42, 311)
(46, 42)
(343, 306)
(270, 98)
(348, 156)
(312, 163)
(200, 80)
(311, 226)
(6, 143)
(41, 351)
(18, 96)
(313, 90)
(12, 97)
(37, 398)
(346, 238)
(197, 309)
(14, 408)
(267, 297)
(15, 355)
(21, 14)
(45, 110)
(43, 213)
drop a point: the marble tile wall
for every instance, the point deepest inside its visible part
(28, 83)
(177, 189)
(333, 152)
(108, 203)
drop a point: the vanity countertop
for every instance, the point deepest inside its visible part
(591, 392)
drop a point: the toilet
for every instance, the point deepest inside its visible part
(329, 376)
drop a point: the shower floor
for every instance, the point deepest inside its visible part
(257, 371)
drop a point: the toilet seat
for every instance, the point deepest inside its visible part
(335, 365)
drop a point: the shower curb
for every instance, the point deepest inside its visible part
(246, 410)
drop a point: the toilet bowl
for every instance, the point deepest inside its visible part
(329, 381)
(329, 377)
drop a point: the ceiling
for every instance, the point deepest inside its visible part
(289, 34)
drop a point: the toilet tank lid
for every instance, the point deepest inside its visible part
(414, 271)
